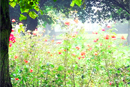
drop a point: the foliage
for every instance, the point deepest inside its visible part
(77, 60)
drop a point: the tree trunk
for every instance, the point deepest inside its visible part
(5, 29)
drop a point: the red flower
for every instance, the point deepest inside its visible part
(12, 30)
(96, 40)
(58, 42)
(25, 61)
(108, 26)
(48, 51)
(59, 52)
(79, 57)
(90, 49)
(110, 83)
(122, 37)
(82, 53)
(73, 54)
(113, 37)
(83, 57)
(67, 23)
(100, 44)
(31, 70)
(16, 78)
(45, 40)
(13, 20)
(103, 29)
(77, 48)
(65, 50)
(95, 53)
(106, 37)
(109, 46)
(96, 32)
(76, 20)
(15, 57)
(10, 44)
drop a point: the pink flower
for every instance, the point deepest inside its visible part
(103, 29)
(106, 37)
(31, 70)
(58, 42)
(67, 23)
(12, 38)
(10, 44)
(82, 53)
(108, 26)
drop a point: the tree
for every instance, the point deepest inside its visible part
(5, 30)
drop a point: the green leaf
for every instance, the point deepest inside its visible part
(13, 4)
(72, 3)
(36, 8)
(60, 68)
(54, 0)
(78, 2)
(32, 14)
(22, 17)
(41, 12)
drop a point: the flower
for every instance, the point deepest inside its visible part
(67, 23)
(59, 52)
(103, 29)
(48, 52)
(12, 38)
(16, 78)
(76, 20)
(58, 42)
(15, 57)
(108, 26)
(90, 49)
(25, 61)
(31, 70)
(52, 40)
(106, 37)
(96, 40)
(95, 53)
(12, 30)
(77, 48)
(20, 24)
(109, 46)
(122, 37)
(13, 20)
(113, 37)
(82, 53)
(64, 49)
(100, 44)
(95, 32)
(110, 83)
(73, 54)
(83, 57)
(79, 57)
(45, 40)
(10, 44)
